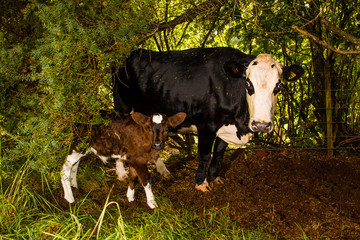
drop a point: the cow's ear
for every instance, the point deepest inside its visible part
(177, 119)
(140, 118)
(234, 69)
(292, 73)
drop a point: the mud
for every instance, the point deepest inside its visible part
(287, 192)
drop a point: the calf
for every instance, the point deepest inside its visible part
(135, 139)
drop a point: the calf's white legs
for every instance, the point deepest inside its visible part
(149, 196)
(130, 194)
(120, 170)
(68, 174)
(161, 168)
(70, 169)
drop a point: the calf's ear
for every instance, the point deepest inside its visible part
(176, 119)
(292, 73)
(140, 118)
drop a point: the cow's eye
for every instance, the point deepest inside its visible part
(249, 87)
(149, 128)
(277, 87)
(167, 129)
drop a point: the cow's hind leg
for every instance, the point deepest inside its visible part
(205, 137)
(219, 150)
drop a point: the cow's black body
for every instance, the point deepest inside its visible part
(207, 84)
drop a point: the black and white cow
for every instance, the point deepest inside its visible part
(225, 93)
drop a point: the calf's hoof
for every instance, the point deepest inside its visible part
(70, 200)
(130, 194)
(166, 175)
(122, 178)
(152, 204)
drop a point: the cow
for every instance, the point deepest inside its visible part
(226, 94)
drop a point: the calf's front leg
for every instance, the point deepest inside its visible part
(139, 171)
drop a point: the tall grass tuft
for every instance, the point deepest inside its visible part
(27, 213)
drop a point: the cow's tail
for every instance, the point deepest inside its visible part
(121, 91)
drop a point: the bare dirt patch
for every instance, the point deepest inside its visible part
(288, 192)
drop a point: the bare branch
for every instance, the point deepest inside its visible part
(192, 13)
(340, 32)
(326, 45)
(188, 16)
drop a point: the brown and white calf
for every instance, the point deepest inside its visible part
(135, 139)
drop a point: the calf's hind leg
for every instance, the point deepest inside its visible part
(161, 168)
(68, 174)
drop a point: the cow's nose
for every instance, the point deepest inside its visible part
(258, 126)
(158, 145)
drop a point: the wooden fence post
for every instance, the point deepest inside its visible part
(329, 112)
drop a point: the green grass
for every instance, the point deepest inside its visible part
(26, 214)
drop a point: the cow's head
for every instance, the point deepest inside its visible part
(263, 84)
(157, 126)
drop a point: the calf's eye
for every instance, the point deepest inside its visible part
(149, 129)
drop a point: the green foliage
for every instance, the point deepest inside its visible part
(55, 57)
(57, 74)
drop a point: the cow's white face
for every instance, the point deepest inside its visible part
(263, 85)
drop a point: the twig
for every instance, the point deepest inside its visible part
(326, 45)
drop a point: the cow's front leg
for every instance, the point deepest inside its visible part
(219, 150)
(206, 139)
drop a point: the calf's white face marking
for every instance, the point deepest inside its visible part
(263, 84)
(157, 119)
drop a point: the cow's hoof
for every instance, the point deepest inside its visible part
(204, 187)
(217, 180)
(152, 204)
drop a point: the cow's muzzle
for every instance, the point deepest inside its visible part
(257, 126)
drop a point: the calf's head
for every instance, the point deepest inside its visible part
(157, 126)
